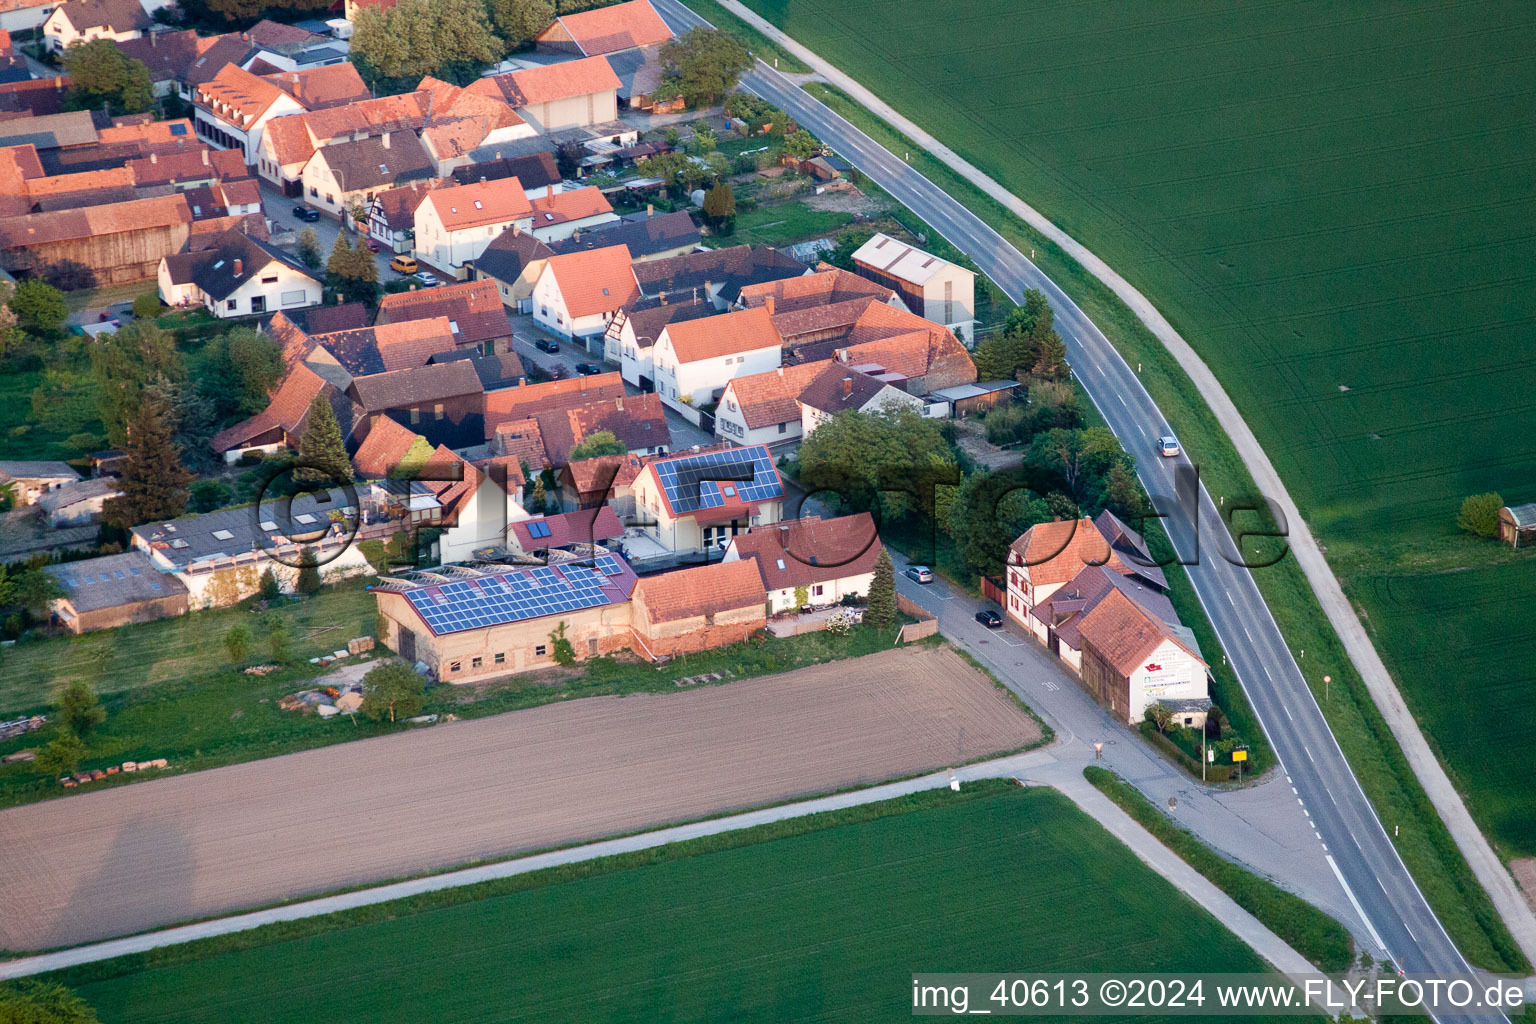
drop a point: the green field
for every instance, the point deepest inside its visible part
(1332, 204)
(810, 919)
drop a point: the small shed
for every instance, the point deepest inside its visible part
(1517, 524)
(965, 399)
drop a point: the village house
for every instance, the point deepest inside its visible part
(282, 422)
(28, 481)
(291, 141)
(392, 214)
(473, 309)
(463, 122)
(115, 243)
(77, 504)
(85, 20)
(535, 172)
(24, 15)
(605, 30)
(345, 175)
(513, 262)
(220, 556)
(903, 345)
(648, 236)
(825, 286)
(929, 286)
(811, 562)
(558, 216)
(696, 609)
(696, 359)
(1133, 659)
(454, 224)
(764, 408)
(477, 621)
(578, 294)
(232, 109)
(695, 502)
(114, 590)
(444, 402)
(237, 275)
(580, 533)
(630, 340)
(839, 388)
(571, 94)
(540, 424)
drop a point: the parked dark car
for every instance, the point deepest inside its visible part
(306, 213)
(546, 345)
(588, 369)
(989, 618)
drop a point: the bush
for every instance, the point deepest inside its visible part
(208, 495)
(392, 691)
(1480, 514)
(80, 709)
(238, 643)
(309, 573)
(62, 756)
(271, 588)
(147, 306)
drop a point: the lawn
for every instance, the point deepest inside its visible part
(786, 223)
(820, 918)
(170, 692)
(1428, 849)
(1338, 236)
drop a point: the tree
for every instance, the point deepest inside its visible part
(309, 249)
(1480, 514)
(449, 39)
(80, 709)
(702, 66)
(191, 419)
(308, 581)
(39, 306)
(1078, 457)
(123, 364)
(704, 140)
(538, 500)
(27, 586)
(278, 646)
(880, 609)
(269, 586)
(101, 75)
(597, 443)
(392, 691)
(147, 306)
(321, 445)
(989, 513)
(874, 461)
(154, 481)
(238, 372)
(802, 145)
(415, 457)
(560, 647)
(339, 265)
(238, 643)
(40, 1002)
(62, 756)
(518, 21)
(720, 208)
(568, 158)
(802, 597)
(1159, 716)
(1123, 496)
(207, 495)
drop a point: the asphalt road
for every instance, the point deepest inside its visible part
(1357, 844)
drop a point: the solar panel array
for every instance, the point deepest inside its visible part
(697, 481)
(510, 597)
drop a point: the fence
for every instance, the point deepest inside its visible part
(925, 626)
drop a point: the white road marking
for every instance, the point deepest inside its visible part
(1309, 753)
(1122, 400)
(1229, 599)
(1288, 712)
(1359, 910)
(1248, 634)
(1266, 673)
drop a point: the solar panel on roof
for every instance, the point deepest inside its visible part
(538, 529)
(691, 482)
(608, 565)
(509, 597)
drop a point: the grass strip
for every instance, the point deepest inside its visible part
(1423, 841)
(1307, 930)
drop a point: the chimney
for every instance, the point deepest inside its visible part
(482, 179)
(206, 161)
(768, 305)
(386, 140)
(847, 387)
(707, 286)
(650, 209)
(663, 298)
(619, 403)
(239, 266)
(781, 371)
(154, 158)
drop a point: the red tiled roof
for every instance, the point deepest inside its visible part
(414, 342)
(594, 280)
(799, 552)
(635, 421)
(584, 526)
(745, 330)
(330, 85)
(550, 82)
(287, 410)
(576, 204)
(602, 472)
(452, 301)
(522, 440)
(1056, 552)
(689, 593)
(479, 204)
(556, 396)
(383, 449)
(111, 219)
(610, 29)
(1124, 634)
(247, 95)
(810, 290)
(769, 398)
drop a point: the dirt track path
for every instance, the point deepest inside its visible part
(95, 865)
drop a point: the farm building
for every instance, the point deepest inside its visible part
(485, 619)
(695, 609)
(1133, 659)
(100, 593)
(114, 244)
(963, 400)
(612, 29)
(931, 287)
(78, 503)
(1517, 525)
(30, 480)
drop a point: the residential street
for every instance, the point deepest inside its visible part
(1353, 840)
